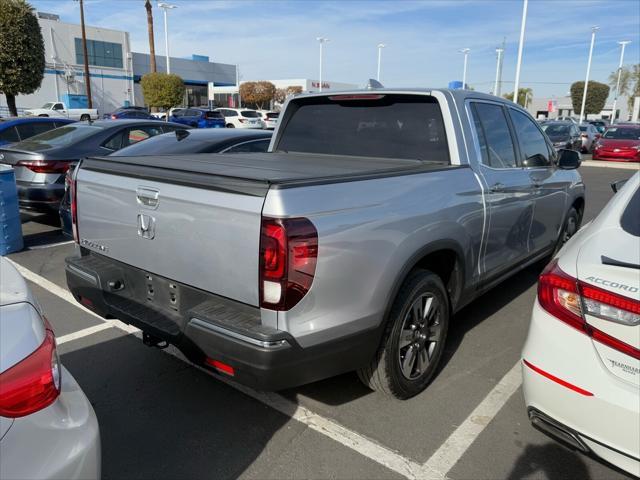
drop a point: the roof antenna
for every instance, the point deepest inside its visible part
(372, 84)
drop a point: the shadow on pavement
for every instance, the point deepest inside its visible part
(552, 460)
(160, 418)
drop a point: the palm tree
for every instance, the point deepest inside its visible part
(629, 83)
(152, 47)
(525, 95)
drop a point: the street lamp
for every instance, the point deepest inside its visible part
(464, 69)
(615, 99)
(322, 41)
(380, 47)
(523, 25)
(166, 6)
(586, 81)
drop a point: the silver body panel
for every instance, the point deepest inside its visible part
(370, 230)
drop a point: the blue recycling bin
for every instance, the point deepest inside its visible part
(10, 224)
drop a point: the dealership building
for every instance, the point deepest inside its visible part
(115, 70)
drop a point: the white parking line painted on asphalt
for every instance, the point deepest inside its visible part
(49, 245)
(353, 440)
(444, 459)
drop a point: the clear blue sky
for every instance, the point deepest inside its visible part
(277, 39)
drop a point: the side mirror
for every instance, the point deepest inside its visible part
(569, 159)
(616, 186)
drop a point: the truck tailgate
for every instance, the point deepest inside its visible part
(204, 237)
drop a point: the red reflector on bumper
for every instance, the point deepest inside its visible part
(221, 367)
(558, 380)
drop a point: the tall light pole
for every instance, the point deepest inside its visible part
(496, 87)
(380, 47)
(165, 7)
(594, 29)
(465, 51)
(615, 99)
(523, 26)
(322, 41)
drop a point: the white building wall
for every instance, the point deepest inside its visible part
(110, 86)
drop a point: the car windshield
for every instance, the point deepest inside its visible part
(555, 130)
(171, 143)
(250, 114)
(618, 133)
(58, 137)
(47, 106)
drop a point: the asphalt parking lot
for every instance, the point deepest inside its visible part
(161, 417)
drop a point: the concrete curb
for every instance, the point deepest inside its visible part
(620, 165)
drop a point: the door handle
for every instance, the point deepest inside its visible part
(497, 187)
(147, 197)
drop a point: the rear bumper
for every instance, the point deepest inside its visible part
(60, 441)
(40, 196)
(624, 156)
(208, 328)
(599, 409)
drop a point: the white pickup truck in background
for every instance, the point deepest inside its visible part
(60, 110)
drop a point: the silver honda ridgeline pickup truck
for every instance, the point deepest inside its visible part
(373, 218)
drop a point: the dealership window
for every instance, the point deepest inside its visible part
(101, 54)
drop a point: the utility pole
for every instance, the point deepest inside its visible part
(87, 77)
(594, 29)
(152, 44)
(523, 25)
(322, 41)
(380, 47)
(465, 51)
(497, 88)
(165, 6)
(615, 99)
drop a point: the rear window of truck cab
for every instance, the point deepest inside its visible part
(368, 125)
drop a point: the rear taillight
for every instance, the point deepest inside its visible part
(33, 383)
(45, 166)
(584, 135)
(288, 255)
(241, 120)
(73, 197)
(568, 300)
(113, 117)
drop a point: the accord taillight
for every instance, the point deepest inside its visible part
(569, 299)
(288, 255)
(33, 383)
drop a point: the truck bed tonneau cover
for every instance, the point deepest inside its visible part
(255, 173)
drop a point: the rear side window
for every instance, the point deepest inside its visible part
(385, 126)
(496, 144)
(28, 130)
(250, 147)
(532, 143)
(9, 135)
(630, 220)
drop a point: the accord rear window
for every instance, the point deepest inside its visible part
(618, 133)
(250, 114)
(551, 129)
(629, 220)
(372, 125)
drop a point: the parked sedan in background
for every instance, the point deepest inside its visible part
(600, 125)
(48, 429)
(241, 118)
(40, 162)
(198, 118)
(563, 135)
(179, 142)
(619, 144)
(140, 113)
(16, 129)
(581, 359)
(589, 135)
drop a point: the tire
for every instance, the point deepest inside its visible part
(569, 229)
(84, 117)
(394, 370)
(230, 125)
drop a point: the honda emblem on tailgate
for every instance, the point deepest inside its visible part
(146, 226)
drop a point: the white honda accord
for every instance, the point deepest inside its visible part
(581, 360)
